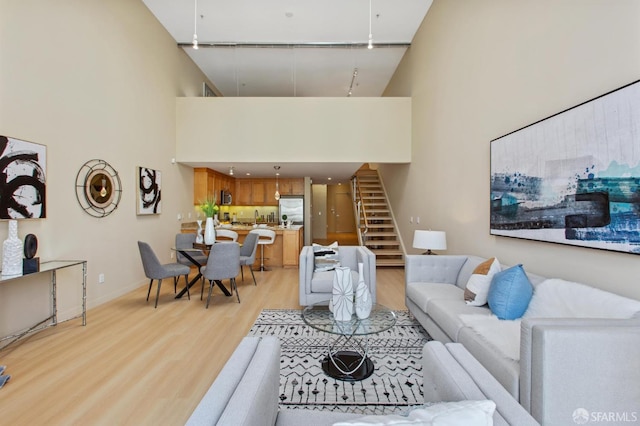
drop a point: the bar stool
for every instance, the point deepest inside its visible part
(265, 236)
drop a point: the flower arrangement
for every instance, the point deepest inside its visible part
(209, 207)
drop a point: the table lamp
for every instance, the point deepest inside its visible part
(429, 240)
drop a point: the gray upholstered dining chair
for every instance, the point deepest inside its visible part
(185, 241)
(154, 270)
(248, 254)
(223, 263)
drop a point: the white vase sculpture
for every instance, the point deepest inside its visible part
(12, 251)
(199, 233)
(364, 301)
(209, 232)
(342, 297)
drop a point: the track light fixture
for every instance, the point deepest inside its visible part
(195, 25)
(353, 80)
(231, 171)
(370, 46)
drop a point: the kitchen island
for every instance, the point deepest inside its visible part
(284, 252)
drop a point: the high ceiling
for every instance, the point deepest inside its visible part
(294, 48)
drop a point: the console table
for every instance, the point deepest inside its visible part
(51, 267)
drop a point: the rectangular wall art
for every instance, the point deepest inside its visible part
(573, 178)
(23, 167)
(149, 194)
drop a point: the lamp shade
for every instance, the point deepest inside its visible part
(430, 240)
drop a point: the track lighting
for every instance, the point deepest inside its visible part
(195, 25)
(231, 171)
(370, 46)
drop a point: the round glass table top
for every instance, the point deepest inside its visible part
(321, 318)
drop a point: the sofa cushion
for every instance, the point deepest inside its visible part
(422, 293)
(557, 298)
(462, 413)
(446, 313)
(510, 293)
(477, 289)
(322, 282)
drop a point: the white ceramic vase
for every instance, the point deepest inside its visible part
(209, 231)
(364, 301)
(12, 251)
(342, 295)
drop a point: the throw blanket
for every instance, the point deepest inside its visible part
(504, 335)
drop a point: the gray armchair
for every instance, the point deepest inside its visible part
(316, 287)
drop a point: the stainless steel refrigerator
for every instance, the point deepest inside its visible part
(293, 207)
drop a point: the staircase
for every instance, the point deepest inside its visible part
(376, 228)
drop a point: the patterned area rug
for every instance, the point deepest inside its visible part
(395, 384)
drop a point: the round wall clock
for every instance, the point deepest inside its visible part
(98, 188)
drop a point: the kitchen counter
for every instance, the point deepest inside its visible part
(284, 251)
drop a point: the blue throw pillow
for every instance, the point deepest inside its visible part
(510, 293)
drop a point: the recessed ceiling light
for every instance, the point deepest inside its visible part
(289, 14)
(248, 174)
(328, 178)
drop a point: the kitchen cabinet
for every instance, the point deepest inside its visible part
(255, 192)
(243, 192)
(208, 183)
(293, 186)
(292, 242)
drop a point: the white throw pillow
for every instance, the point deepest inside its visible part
(479, 282)
(459, 413)
(557, 298)
(326, 258)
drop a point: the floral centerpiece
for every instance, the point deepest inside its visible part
(210, 209)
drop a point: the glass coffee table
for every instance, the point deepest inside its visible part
(347, 341)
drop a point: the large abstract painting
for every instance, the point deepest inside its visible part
(573, 178)
(149, 191)
(23, 167)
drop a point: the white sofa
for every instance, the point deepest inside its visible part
(246, 391)
(317, 287)
(585, 355)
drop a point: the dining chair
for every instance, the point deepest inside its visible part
(248, 254)
(154, 270)
(226, 235)
(265, 236)
(185, 241)
(223, 263)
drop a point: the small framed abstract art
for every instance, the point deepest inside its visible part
(149, 184)
(572, 178)
(23, 169)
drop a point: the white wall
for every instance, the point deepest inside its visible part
(294, 129)
(92, 79)
(478, 70)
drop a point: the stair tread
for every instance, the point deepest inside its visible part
(381, 234)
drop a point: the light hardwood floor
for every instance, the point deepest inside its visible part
(136, 365)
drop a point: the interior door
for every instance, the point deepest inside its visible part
(344, 219)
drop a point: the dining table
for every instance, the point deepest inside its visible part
(187, 252)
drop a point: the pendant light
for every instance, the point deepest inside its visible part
(277, 194)
(370, 46)
(195, 25)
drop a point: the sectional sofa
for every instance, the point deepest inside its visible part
(246, 392)
(578, 349)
